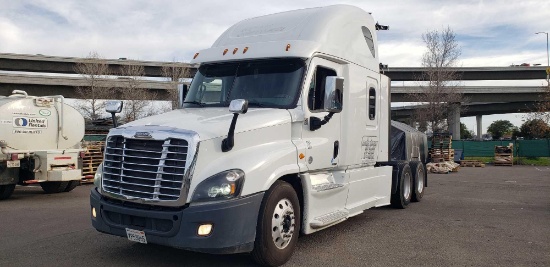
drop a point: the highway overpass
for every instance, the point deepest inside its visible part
(53, 64)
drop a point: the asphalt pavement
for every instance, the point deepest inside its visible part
(492, 216)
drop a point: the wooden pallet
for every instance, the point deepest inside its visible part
(93, 156)
(445, 154)
(472, 163)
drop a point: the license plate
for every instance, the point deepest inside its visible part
(14, 163)
(136, 236)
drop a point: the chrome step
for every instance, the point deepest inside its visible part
(328, 219)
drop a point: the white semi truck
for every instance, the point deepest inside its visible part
(304, 146)
(39, 143)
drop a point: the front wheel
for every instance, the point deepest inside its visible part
(6, 191)
(72, 184)
(54, 187)
(278, 225)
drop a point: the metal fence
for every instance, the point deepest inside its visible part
(522, 148)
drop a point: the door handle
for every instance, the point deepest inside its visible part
(336, 149)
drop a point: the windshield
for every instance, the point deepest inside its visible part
(270, 83)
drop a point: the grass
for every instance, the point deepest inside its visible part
(535, 161)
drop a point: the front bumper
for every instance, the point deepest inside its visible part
(234, 223)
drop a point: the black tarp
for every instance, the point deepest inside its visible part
(407, 143)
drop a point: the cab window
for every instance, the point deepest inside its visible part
(316, 95)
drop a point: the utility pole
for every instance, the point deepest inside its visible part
(548, 58)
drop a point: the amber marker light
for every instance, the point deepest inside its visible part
(301, 156)
(196, 55)
(287, 47)
(225, 51)
(235, 50)
(245, 49)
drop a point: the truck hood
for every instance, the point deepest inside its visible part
(212, 123)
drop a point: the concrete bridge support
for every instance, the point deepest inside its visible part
(454, 121)
(479, 129)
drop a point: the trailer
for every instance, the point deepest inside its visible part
(305, 144)
(36, 144)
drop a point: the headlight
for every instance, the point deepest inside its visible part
(224, 185)
(98, 175)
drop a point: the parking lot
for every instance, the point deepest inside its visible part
(492, 216)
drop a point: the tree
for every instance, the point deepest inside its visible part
(542, 107)
(139, 100)
(174, 72)
(94, 70)
(500, 127)
(535, 128)
(464, 132)
(438, 83)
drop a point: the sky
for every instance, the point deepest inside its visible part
(489, 33)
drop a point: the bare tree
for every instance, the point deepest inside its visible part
(542, 107)
(438, 94)
(94, 70)
(139, 100)
(175, 72)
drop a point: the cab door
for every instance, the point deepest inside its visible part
(323, 143)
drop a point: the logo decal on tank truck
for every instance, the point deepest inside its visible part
(22, 122)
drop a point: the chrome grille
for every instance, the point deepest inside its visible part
(144, 168)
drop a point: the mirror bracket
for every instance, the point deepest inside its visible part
(237, 106)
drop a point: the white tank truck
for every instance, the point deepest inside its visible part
(39, 143)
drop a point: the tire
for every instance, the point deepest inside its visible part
(6, 191)
(402, 197)
(276, 235)
(54, 187)
(72, 184)
(419, 177)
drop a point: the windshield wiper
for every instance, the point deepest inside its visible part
(194, 102)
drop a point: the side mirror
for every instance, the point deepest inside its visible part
(334, 93)
(113, 106)
(182, 92)
(238, 106)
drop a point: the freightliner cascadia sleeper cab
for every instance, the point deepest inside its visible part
(284, 130)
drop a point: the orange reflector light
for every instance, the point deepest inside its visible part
(204, 229)
(225, 51)
(232, 189)
(235, 50)
(287, 47)
(302, 156)
(196, 55)
(94, 214)
(245, 49)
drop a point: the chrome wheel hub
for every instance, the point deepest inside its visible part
(282, 223)
(420, 177)
(407, 186)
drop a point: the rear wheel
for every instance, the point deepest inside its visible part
(402, 196)
(54, 187)
(278, 225)
(72, 184)
(419, 176)
(6, 191)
